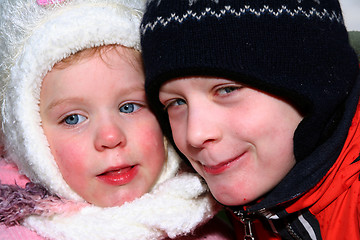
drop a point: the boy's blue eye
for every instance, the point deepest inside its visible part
(129, 108)
(174, 103)
(227, 90)
(74, 119)
(178, 102)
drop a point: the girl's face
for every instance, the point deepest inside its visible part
(105, 141)
(238, 139)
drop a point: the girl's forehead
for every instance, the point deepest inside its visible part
(105, 52)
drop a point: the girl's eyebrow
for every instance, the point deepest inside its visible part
(123, 92)
(58, 102)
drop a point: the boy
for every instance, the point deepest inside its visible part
(261, 98)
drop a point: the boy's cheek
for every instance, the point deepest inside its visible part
(180, 140)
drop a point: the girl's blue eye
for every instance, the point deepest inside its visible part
(129, 108)
(74, 119)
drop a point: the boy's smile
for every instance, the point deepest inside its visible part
(222, 166)
(238, 138)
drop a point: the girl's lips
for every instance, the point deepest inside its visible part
(119, 176)
(220, 168)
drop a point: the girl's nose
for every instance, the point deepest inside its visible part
(202, 127)
(109, 135)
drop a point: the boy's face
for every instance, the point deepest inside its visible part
(238, 139)
(106, 142)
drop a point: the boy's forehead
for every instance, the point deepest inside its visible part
(195, 81)
(199, 78)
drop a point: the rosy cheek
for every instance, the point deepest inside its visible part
(70, 160)
(152, 144)
(150, 135)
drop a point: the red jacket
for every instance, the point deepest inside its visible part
(333, 203)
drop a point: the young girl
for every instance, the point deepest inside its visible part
(75, 122)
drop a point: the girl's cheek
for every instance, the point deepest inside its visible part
(69, 159)
(149, 135)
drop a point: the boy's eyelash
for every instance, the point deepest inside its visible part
(166, 105)
(232, 88)
(169, 103)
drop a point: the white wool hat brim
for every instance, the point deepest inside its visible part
(32, 39)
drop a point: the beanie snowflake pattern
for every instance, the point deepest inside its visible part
(253, 42)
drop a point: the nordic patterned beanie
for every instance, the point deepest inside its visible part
(296, 49)
(34, 35)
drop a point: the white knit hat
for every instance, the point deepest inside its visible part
(33, 37)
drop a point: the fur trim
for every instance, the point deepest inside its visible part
(174, 208)
(32, 39)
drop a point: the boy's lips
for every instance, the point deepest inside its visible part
(119, 175)
(220, 168)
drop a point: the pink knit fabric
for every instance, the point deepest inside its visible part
(9, 175)
(18, 233)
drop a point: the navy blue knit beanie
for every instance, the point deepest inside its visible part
(296, 49)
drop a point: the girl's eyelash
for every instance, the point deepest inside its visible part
(78, 118)
(63, 118)
(131, 107)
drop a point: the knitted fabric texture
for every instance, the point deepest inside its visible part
(295, 49)
(16, 203)
(33, 38)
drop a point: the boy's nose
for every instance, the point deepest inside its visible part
(108, 136)
(202, 128)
